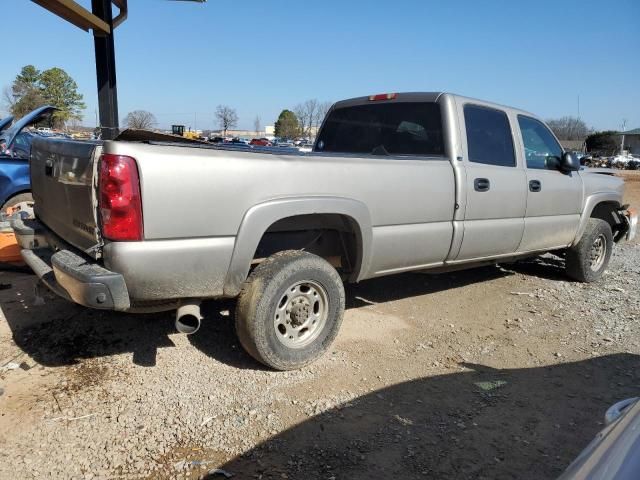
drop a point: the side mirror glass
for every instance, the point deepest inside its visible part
(569, 162)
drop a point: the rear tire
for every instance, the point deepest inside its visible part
(290, 310)
(587, 260)
(13, 201)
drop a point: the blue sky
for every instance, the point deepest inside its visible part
(179, 60)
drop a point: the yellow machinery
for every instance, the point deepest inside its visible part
(180, 131)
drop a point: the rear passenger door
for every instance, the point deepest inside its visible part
(495, 185)
(554, 197)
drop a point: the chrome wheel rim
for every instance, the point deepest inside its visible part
(301, 314)
(598, 252)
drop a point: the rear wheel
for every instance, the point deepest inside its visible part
(17, 199)
(587, 260)
(290, 310)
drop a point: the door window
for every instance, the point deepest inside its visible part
(541, 149)
(489, 138)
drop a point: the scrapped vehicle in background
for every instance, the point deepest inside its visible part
(614, 454)
(283, 143)
(396, 183)
(4, 124)
(260, 142)
(15, 144)
(21, 146)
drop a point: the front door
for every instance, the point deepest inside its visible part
(554, 198)
(495, 185)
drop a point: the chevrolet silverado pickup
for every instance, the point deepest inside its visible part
(395, 183)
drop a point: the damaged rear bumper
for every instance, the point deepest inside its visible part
(69, 274)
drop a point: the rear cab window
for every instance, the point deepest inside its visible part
(489, 136)
(399, 128)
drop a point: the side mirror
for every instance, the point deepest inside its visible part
(569, 162)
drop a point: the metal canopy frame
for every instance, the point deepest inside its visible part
(100, 20)
(75, 14)
(82, 18)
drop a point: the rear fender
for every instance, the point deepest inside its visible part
(260, 217)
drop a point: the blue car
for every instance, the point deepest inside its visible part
(15, 145)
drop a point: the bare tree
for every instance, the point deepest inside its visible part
(227, 117)
(307, 114)
(301, 115)
(569, 128)
(323, 109)
(311, 110)
(140, 119)
(256, 125)
(321, 112)
(74, 124)
(8, 99)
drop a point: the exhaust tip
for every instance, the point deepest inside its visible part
(188, 318)
(188, 324)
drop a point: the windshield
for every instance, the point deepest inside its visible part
(403, 128)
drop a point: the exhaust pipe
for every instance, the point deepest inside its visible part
(188, 317)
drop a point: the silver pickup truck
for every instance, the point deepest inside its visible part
(395, 183)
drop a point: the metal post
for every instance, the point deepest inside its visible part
(106, 71)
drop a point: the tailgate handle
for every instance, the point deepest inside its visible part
(48, 168)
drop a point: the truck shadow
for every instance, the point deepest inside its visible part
(548, 267)
(60, 333)
(407, 285)
(481, 423)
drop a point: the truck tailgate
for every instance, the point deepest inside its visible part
(62, 180)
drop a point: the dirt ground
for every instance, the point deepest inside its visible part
(499, 372)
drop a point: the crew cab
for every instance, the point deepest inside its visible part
(395, 183)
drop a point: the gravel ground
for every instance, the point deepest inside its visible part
(501, 372)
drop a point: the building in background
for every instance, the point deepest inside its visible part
(631, 140)
(270, 132)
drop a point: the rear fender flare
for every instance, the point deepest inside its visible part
(260, 217)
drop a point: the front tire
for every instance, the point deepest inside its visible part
(290, 310)
(587, 260)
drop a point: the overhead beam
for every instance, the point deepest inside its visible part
(73, 13)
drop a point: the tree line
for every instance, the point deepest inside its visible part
(33, 88)
(572, 128)
(303, 120)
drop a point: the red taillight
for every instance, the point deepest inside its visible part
(382, 96)
(119, 198)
